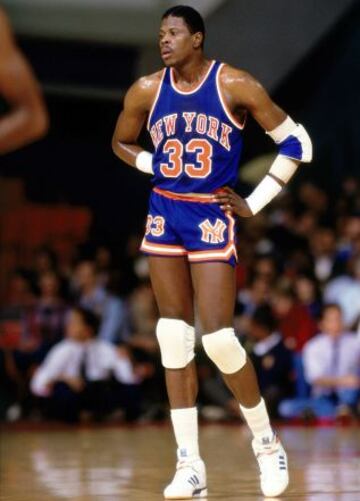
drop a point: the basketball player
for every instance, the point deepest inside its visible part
(27, 118)
(195, 110)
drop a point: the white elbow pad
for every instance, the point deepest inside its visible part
(293, 140)
(143, 162)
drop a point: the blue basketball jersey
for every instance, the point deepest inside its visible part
(197, 142)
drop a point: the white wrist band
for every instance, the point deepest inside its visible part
(265, 191)
(143, 162)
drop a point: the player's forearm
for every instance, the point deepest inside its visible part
(20, 127)
(126, 152)
(294, 147)
(133, 155)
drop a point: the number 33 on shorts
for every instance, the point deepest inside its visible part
(155, 226)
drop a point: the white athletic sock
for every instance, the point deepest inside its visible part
(185, 424)
(258, 421)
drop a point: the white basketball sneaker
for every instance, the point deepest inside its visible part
(272, 459)
(189, 480)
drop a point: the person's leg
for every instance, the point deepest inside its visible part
(214, 287)
(298, 407)
(348, 396)
(171, 282)
(64, 403)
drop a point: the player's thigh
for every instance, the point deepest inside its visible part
(171, 282)
(214, 288)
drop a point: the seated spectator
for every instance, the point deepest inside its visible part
(323, 247)
(145, 351)
(83, 373)
(248, 300)
(95, 297)
(40, 327)
(297, 327)
(19, 294)
(46, 319)
(308, 294)
(332, 367)
(345, 290)
(272, 361)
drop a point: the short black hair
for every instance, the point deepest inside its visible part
(192, 18)
(330, 306)
(89, 318)
(263, 316)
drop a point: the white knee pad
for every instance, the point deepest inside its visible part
(225, 350)
(177, 341)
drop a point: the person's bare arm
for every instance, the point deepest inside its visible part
(243, 93)
(349, 381)
(137, 104)
(27, 119)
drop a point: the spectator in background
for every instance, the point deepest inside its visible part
(308, 294)
(142, 342)
(15, 346)
(273, 362)
(332, 367)
(83, 373)
(95, 297)
(264, 272)
(323, 249)
(103, 263)
(294, 320)
(296, 327)
(345, 290)
(39, 325)
(47, 318)
(19, 294)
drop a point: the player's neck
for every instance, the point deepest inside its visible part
(190, 72)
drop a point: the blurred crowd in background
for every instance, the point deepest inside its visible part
(77, 341)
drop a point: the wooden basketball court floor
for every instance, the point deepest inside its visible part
(134, 464)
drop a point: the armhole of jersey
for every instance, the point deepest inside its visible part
(223, 103)
(155, 99)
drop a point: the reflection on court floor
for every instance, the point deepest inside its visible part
(134, 464)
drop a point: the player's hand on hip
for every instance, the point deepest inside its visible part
(231, 201)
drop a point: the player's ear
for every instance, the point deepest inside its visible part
(198, 40)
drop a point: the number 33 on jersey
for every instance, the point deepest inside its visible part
(197, 142)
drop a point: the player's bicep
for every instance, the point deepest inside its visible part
(128, 126)
(253, 97)
(132, 117)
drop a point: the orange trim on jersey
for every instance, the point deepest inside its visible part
(165, 249)
(176, 89)
(155, 99)
(205, 198)
(223, 102)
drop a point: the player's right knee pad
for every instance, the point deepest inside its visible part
(177, 342)
(225, 350)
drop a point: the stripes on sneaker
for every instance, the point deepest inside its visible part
(194, 481)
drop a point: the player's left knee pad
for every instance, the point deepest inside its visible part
(225, 350)
(177, 342)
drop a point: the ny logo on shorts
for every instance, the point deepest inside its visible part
(212, 233)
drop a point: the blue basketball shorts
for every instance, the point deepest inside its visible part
(189, 225)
